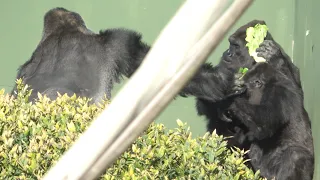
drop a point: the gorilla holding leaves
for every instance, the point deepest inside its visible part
(221, 78)
(277, 127)
(268, 117)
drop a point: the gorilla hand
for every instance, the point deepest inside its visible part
(269, 50)
(237, 86)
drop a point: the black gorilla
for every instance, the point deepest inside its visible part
(286, 141)
(72, 59)
(221, 79)
(279, 129)
(214, 97)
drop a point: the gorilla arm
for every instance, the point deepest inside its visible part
(208, 83)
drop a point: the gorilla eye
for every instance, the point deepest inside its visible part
(256, 83)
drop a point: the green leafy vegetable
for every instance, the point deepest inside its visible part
(243, 71)
(255, 36)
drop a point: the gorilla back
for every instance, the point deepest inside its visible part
(72, 59)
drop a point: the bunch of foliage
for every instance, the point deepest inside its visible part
(254, 37)
(34, 136)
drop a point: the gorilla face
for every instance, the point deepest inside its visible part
(237, 55)
(259, 78)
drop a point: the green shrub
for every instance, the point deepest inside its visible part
(34, 136)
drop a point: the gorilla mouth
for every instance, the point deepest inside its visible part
(226, 57)
(227, 60)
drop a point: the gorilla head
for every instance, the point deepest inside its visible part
(237, 55)
(59, 19)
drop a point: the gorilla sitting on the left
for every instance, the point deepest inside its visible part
(72, 59)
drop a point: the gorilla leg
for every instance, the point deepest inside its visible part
(291, 163)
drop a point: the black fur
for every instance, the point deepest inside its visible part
(279, 129)
(72, 59)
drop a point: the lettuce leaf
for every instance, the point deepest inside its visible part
(255, 36)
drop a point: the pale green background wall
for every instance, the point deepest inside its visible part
(288, 20)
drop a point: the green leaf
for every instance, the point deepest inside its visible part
(71, 127)
(245, 70)
(254, 37)
(20, 125)
(33, 164)
(179, 122)
(240, 70)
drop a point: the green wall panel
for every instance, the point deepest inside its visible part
(22, 27)
(288, 20)
(306, 53)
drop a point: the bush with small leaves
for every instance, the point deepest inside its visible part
(34, 137)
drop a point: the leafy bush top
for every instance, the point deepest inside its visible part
(34, 136)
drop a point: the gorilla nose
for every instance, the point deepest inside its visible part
(228, 53)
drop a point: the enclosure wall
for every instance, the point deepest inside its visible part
(293, 24)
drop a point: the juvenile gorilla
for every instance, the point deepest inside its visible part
(279, 129)
(72, 59)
